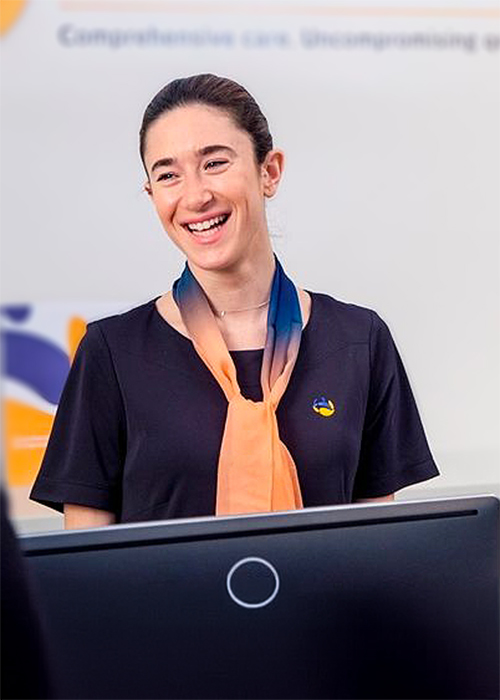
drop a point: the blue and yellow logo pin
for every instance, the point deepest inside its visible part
(323, 406)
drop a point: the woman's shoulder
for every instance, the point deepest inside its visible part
(335, 325)
(138, 330)
(352, 321)
(126, 324)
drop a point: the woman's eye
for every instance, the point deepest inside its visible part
(215, 164)
(165, 176)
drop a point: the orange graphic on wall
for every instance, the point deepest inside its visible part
(9, 12)
(38, 363)
(76, 330)
(26, 434)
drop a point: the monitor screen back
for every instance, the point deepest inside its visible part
(397, 601)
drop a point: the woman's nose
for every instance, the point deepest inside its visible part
(196, 193)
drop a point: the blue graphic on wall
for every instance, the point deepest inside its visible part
(36, 362)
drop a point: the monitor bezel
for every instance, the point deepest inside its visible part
(217, 527)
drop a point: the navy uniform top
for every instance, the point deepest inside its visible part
(140, 421)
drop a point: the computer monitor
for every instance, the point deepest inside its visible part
(368, 601)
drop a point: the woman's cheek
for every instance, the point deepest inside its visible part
(165, 212)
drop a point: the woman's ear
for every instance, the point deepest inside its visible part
(272, 170)
(147, 188)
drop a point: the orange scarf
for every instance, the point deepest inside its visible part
(256, 472)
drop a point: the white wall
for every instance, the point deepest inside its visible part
(390, 200)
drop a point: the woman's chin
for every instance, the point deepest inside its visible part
(212, 260)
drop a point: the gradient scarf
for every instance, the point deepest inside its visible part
(256, 472)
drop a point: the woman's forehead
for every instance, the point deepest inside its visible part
(187, 130)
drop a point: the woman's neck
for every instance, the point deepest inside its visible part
(242, 289)
(241, 330)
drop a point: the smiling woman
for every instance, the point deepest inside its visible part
(234, 392)
(208, 187)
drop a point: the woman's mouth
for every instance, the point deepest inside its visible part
(208, 230)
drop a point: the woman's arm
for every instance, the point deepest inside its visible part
(83, 462)
(76, 517)
(379, 499)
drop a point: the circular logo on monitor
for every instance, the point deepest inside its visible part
(253, 582)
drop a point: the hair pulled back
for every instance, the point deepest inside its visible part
(214, 91)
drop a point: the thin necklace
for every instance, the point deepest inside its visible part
(221, 314)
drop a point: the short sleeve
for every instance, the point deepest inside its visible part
(394, 449)
(83, 462)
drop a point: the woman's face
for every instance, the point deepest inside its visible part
(207, 187)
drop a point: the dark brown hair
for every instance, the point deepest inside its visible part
(214, 91)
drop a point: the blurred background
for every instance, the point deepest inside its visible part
(389, 115)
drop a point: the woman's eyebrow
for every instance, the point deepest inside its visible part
(208, 150)
(205, 151)
(162, 163)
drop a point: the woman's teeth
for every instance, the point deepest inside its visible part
(208, 224)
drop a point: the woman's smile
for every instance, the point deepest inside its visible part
(209, 229)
